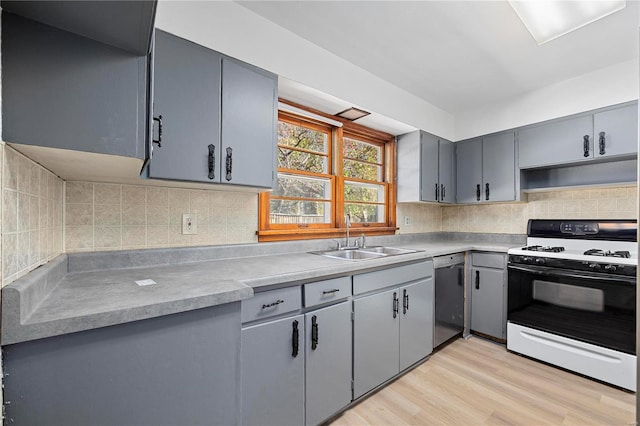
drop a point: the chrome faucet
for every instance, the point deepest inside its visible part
(348, 221)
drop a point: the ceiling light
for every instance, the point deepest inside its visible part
(353, 114)
(550, 19)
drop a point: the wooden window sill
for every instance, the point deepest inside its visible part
(310, 234)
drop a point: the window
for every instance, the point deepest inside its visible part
(324, 174)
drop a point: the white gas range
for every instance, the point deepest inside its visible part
(572, 297)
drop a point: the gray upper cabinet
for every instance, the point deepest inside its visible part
(186, 95)
(218, 116)
(61, 90)
(607, 133)
(249, 124)
(426, 168)
(486, 169)
(563, 141)
(616, 131)
(124, 24)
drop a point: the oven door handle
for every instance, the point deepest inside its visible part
(553, 272)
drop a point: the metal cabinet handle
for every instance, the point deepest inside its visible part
(159, 140)
(586, 145)
(460, 277)
(442, 188)
(229, 163)
(601, 144)
(314, 332)
(270, 305)
(437, 194)
(478, 192)
(405, 301)
(335, 290)
(486, 191)
(477, 280)
(212, 161)
(395, 304)
(295, 336)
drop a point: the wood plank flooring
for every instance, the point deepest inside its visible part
(477, 382)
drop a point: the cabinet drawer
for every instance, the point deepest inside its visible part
(393, 276)
(326, 291)
(488, 260)
(271, 303)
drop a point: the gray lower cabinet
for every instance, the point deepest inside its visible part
(62, 90)
(392, 329)
(273, 356)
(218, 116)
(486, 169)
(426, 168)
(488, 294)
(179, 369)
(328, 361)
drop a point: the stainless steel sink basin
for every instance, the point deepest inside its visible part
(349, 254)
(388, 251)
(364, 253)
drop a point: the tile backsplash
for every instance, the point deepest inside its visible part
(102, 216)
(32, 204)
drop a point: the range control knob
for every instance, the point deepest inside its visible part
(611, 268)
(540, 261)
(594, 266)
(526, 259)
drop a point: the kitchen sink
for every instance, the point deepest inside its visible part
(375, 252)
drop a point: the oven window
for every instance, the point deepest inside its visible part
(592, 309)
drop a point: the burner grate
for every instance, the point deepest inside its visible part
(556, 249)
(608, 253)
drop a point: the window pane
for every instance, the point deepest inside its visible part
(302, 187)
(365, 212)
(296, 160)
(291, 211)
(302, 137)
(363, 151)
(355, 169)
(355, 191)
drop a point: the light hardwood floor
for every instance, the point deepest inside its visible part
(477, 382)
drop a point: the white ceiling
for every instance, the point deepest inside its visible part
(456, 55)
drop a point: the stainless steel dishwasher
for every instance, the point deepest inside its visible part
(449, 298)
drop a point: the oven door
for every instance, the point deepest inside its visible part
(590, 307)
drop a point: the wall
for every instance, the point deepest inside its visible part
(231, 29)
(607, 86)
(31, 215)
(424, 218)
(101, 216)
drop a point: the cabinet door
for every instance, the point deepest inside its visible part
(61, 90)
(498, 168)
(446, 171)
(429, 168)
(328, 372)
(249, 120)
(469, 171)
(559, 142)
(487, 301)
(187, 96)
(616, 131)
(375, 340)
(272, 373)
(416, 322)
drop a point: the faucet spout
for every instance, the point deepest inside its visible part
(348, 223)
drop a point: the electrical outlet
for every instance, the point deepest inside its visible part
(408, 221)
(189, 224)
